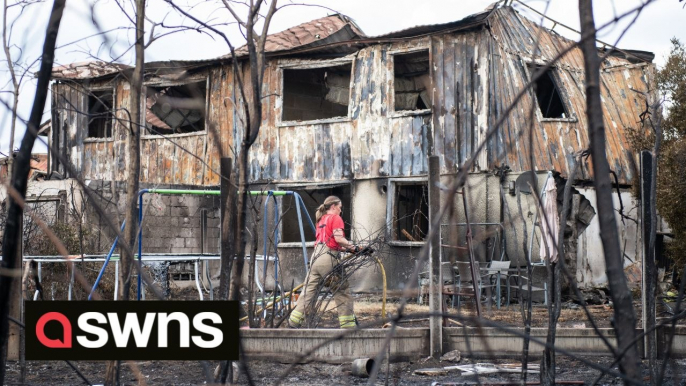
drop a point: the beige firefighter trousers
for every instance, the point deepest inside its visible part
(323, 262)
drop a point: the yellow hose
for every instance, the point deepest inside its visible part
(271, 304)
(383, 275)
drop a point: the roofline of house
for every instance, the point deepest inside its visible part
(358, 42)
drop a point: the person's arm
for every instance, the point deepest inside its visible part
(345, 245)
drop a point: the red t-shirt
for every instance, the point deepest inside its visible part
(325, 227)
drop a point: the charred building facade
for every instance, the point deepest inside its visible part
(357, 116)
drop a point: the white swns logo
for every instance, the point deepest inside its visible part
(141, 334)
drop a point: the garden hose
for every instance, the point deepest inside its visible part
(271, 304)
(383, 276)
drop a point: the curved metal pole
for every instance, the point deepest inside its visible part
(104, 265)
(209, 279)
(35, 294)
(302, 232)
(197, 280)
(307, 215)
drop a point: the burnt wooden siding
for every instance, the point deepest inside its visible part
(513, 43)
(461, 79)
(68, 121)
(475, 75)
(370, 142)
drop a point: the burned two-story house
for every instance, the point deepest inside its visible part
(356, 116)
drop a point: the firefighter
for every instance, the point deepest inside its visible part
(330, 243)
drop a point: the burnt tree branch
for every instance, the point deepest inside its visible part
(624, 317)
(20, 172)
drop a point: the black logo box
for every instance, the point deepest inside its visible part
(227, 350)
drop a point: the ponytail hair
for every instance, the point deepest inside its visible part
(323, 208)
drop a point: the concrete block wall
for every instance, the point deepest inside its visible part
(171, 224)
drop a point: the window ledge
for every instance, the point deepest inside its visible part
(296, 244)
(96, 140)
(159, 136)
(409, 113)
(398, 243)
(573, 119)
(314, 122)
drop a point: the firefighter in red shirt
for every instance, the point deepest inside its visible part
(329, 244)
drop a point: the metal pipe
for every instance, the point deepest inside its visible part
(116, 280)
(302, 234)
(206, 266)
(107, 260)
(115, 257)
(362, 367)
(35, 294)
(309, 219)
(184, 191)
(71, 283)
(197, 281)
(209, 280)
(270, 192)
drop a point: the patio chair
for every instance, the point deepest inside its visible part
(535, 287)
(465, 281)
(497, 273)
(447, 274)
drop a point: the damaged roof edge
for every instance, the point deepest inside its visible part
(632, 56)
(87, 70)
(421, 30)
(335, 34)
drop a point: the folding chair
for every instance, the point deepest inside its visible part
(498, 272)
(525, 283)
(465, 281)
(424, 279)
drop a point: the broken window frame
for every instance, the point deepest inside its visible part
(393, 183)
(347, 207)
(187, 81)
(393, 113)
(529, 67)
(286, 64)
(91, 93)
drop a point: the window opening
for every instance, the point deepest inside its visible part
(176, 109)
(100, 115)
(316, 93)
(290, 230)
(411, 211)
(548, 95)
(411, 81)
